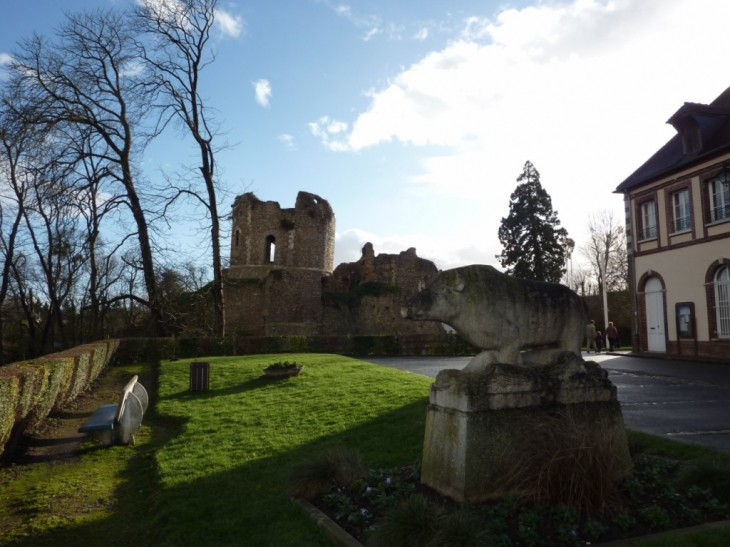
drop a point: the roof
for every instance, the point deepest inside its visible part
(713, 123)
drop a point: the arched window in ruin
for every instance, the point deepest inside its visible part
(270, 254)
(238, 235)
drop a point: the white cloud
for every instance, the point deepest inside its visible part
(5, 59)
(263, 91)
(369, 34)
(288, 141)
(180, 12)
(422, 34)
(581, 88)
(231, 25)
(325, 128)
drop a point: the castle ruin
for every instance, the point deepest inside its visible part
(281, 280)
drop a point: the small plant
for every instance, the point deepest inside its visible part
(656, 518)
(335, 467)
(568, 535)
(594, 529)
(566, 461)
(624, 520)
(413, 523)
(285, 365)
(529, 528)
(461, 529)
(691, 514)
(708, 474)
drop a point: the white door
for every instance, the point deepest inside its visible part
(655, 315)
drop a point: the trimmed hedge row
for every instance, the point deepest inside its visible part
(136, 350)
(31, 390)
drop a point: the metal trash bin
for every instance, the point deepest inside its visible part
(199, 376)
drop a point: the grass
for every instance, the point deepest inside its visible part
(210, 468)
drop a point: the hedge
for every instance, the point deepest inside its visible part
(31, 390)
(135, 350)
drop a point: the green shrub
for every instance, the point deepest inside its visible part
(52, 375)
(9, 399)
(461, 529)
(655, 517)
(708, 474)
(98, 359)
(568, 461)
(82, 372)
(412, 523)
(334, 467)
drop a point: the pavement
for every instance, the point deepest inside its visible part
(684, 400)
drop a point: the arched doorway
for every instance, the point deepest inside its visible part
(655, 333)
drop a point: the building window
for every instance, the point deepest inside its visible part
(270, 249)
(720, 198)
(722, 302)
(682, 215)
(648, 220)
(238, 236)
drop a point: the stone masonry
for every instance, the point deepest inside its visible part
(281, 280)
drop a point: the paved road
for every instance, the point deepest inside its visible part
(679, 399)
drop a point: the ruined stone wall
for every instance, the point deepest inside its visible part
(280, 281)
(365, 297)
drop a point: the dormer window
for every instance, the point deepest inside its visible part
(689, 132)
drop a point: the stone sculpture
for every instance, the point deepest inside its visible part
(504, 315)
(484, 419)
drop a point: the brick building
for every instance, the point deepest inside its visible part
(281, 279)
(678, 226)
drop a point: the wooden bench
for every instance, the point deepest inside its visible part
(118, 423)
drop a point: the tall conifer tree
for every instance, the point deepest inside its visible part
(534, 246)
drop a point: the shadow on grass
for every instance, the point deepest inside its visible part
(246, 505)
(127, 521)
(230, 390)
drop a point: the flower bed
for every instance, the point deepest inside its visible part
(648, 501)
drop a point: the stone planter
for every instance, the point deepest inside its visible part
(280, 372)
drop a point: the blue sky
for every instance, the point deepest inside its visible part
(414, 119)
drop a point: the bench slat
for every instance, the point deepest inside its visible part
(100, 420)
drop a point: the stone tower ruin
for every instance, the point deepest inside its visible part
(265, 236)
(279, 258)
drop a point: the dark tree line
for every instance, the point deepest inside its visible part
(79, 255)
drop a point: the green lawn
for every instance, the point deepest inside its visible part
(209, 469)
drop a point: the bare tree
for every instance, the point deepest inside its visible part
(177, 50)
(15, 140)
(90, 79)
(606, 253)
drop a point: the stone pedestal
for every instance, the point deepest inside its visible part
(485, 430)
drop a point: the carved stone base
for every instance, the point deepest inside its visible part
(485, 432)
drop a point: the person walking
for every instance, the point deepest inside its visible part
(599, 342)
(591, 336)
(611, 336)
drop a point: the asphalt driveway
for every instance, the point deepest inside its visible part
(684, 400)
